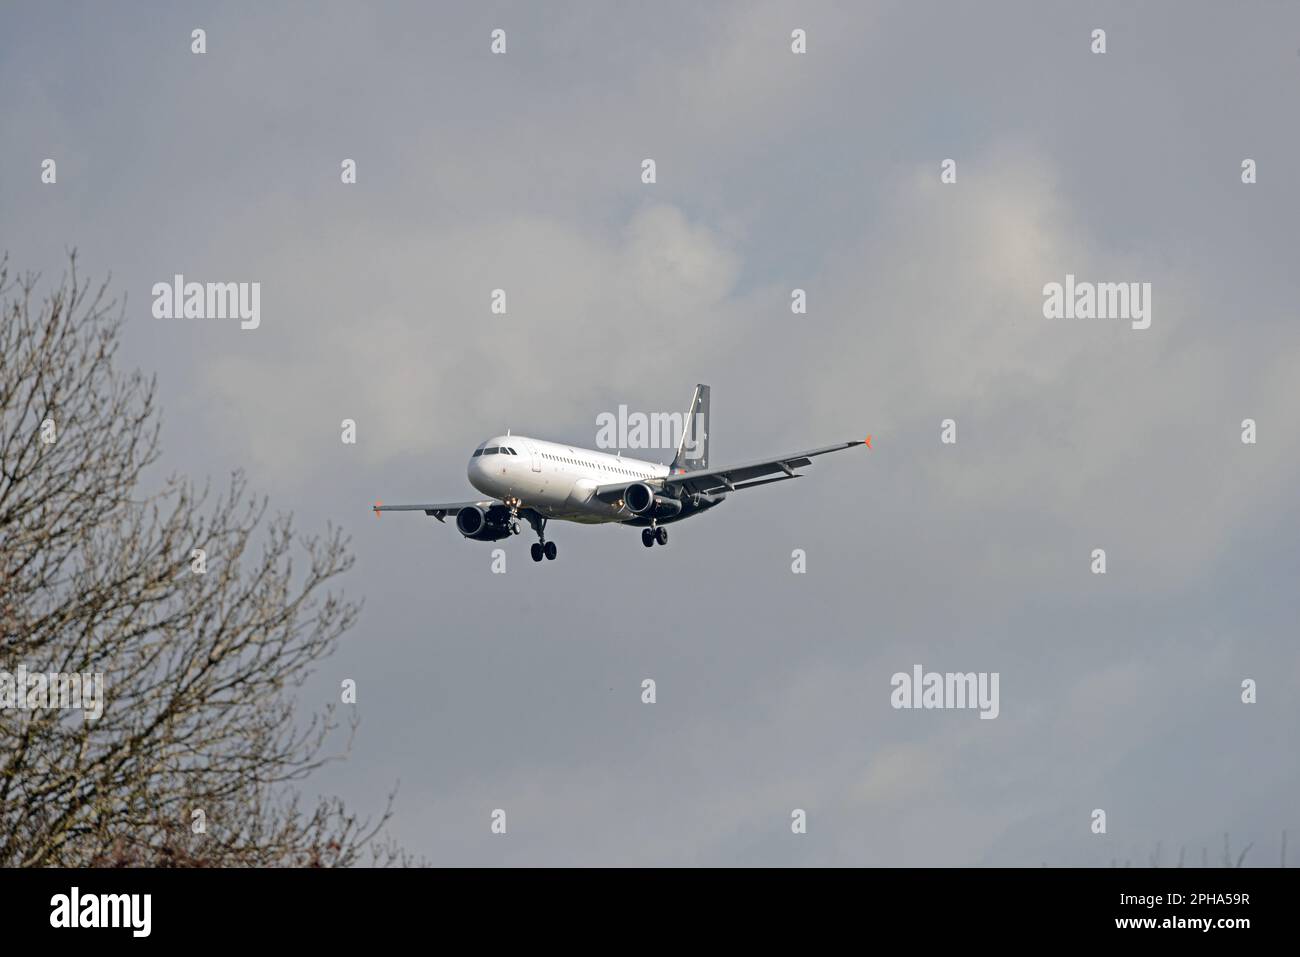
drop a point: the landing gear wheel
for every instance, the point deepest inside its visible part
(537, 551)
(661, 535)
(647, 537)
(550, 550)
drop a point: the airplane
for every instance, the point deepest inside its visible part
(540, 481)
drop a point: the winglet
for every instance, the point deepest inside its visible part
(868, 441)
(375, 508)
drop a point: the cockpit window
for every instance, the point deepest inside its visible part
(477, 453)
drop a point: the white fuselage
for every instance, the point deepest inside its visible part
(559, 481)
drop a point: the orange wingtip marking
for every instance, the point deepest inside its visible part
(376, 509)
(868, 441)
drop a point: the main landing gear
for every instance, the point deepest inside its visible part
(542, 548)
(649, 536)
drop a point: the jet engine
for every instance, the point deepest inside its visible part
(642, 502)
(473, 522)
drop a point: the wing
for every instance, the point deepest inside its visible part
(735, 477)
(439, 510)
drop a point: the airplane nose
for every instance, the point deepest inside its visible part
(479, 474)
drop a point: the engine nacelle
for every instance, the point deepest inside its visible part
(473, 522)
(642, 502)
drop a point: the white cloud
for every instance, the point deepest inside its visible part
(418, 357)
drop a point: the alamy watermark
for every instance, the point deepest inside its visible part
(948, 690)
(179, 299)
(22, 690)
(654, 430)
(1101, 300)
(75, 909)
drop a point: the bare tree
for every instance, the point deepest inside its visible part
(195, 755)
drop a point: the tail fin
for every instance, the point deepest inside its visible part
(693, 452)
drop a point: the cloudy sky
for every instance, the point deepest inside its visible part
(775, 171)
